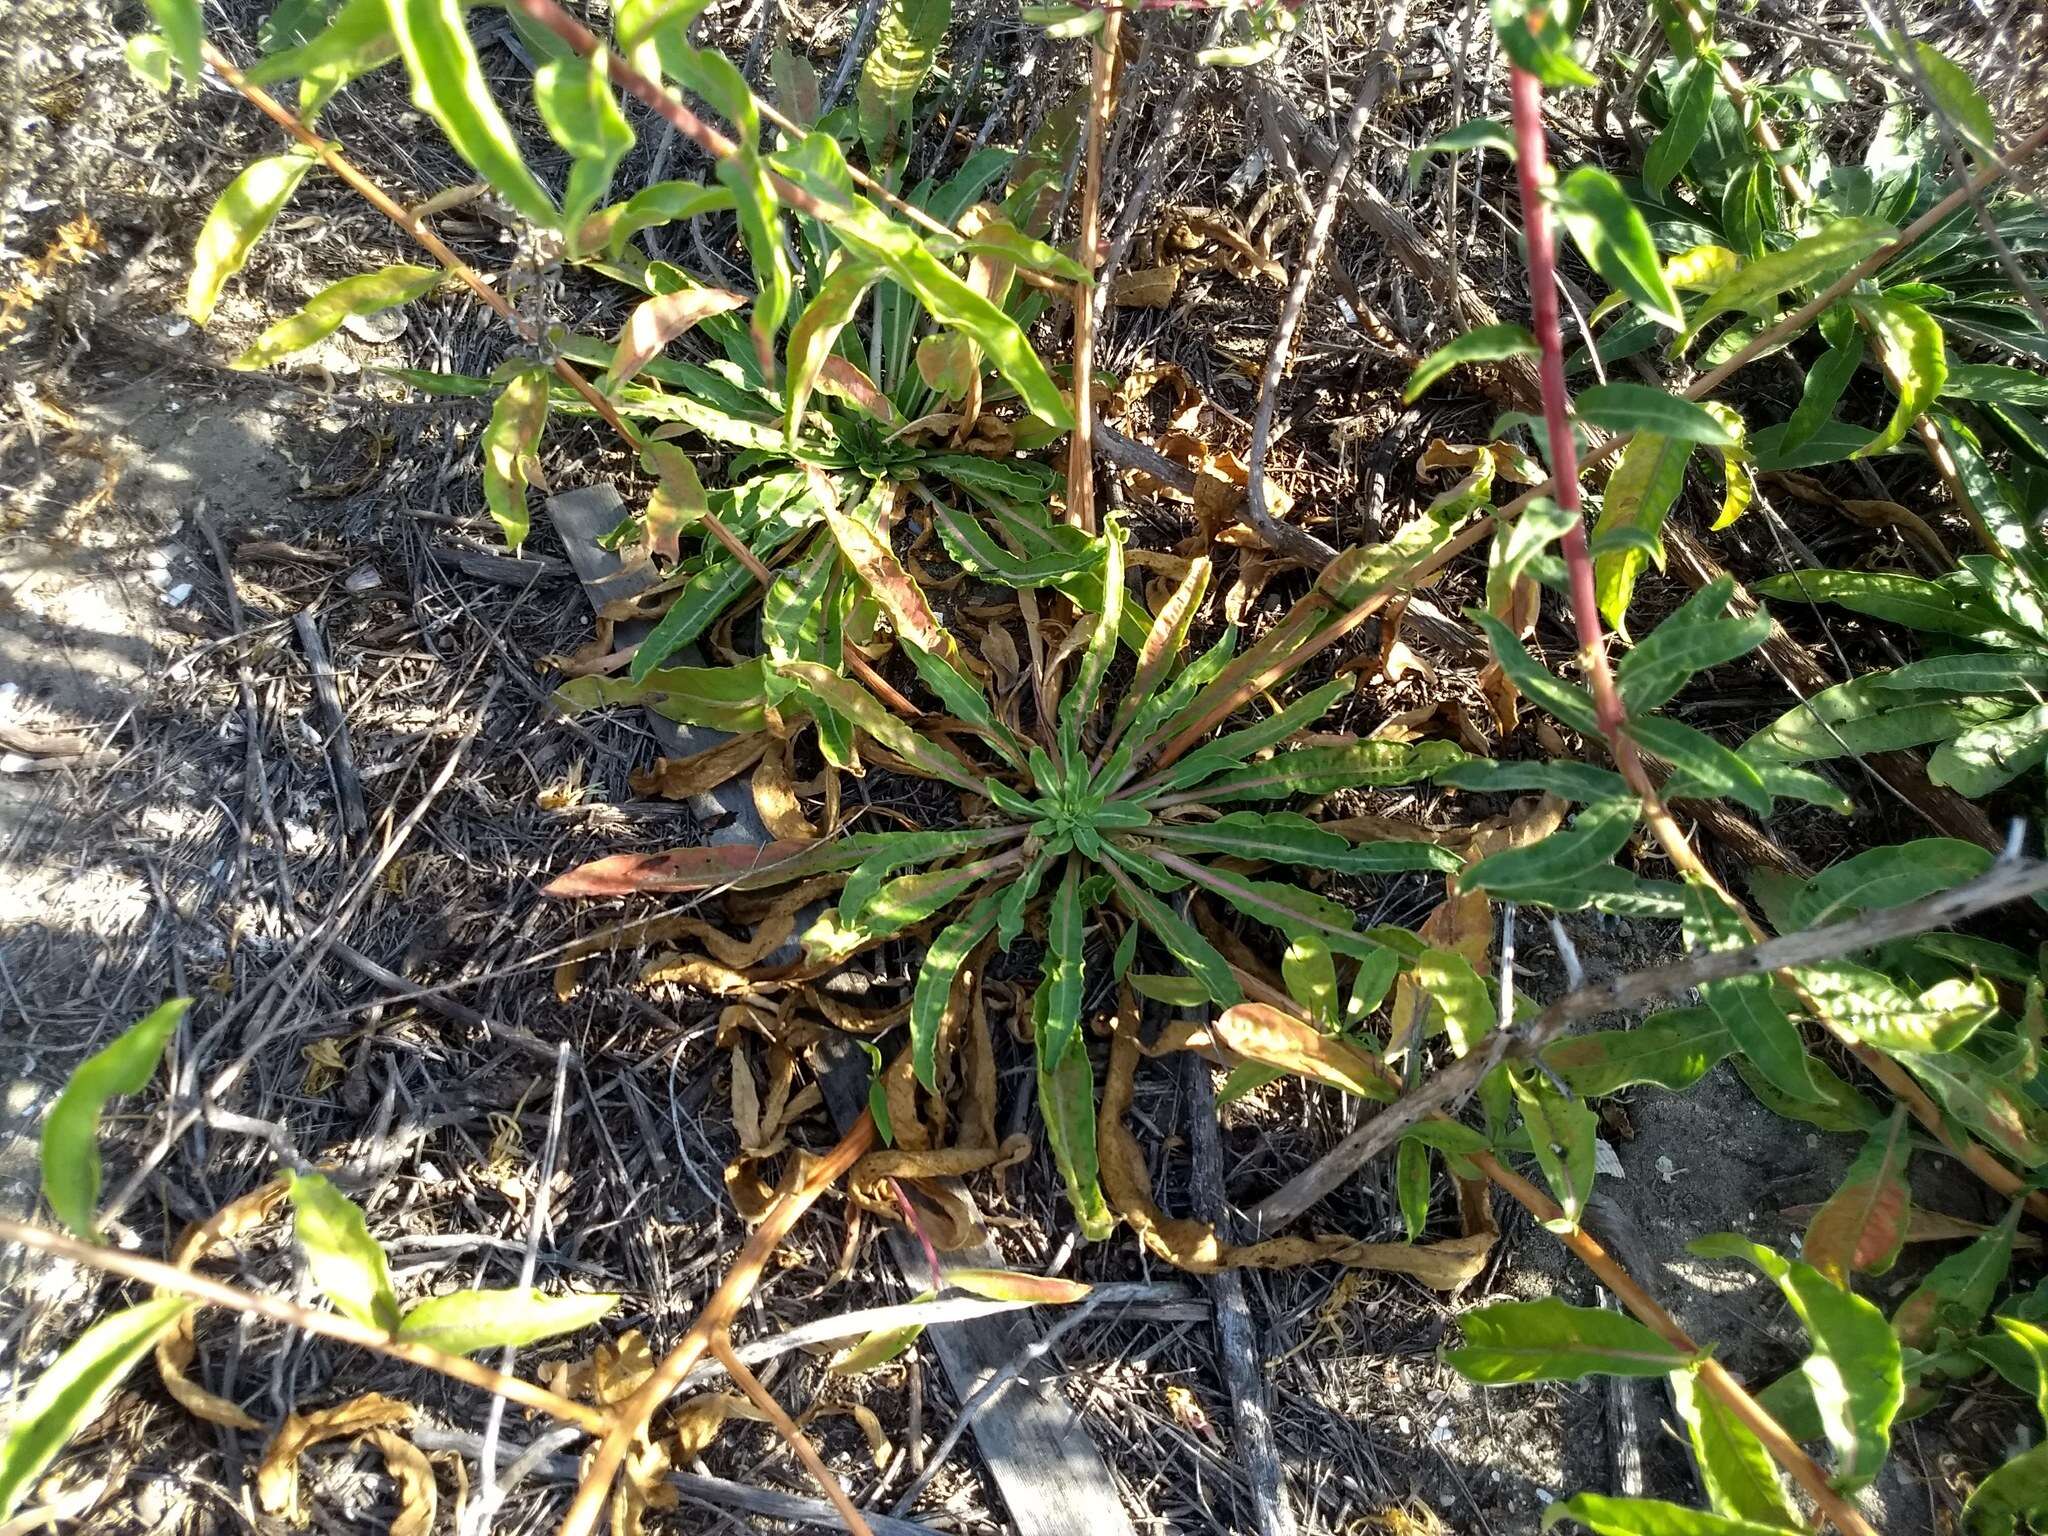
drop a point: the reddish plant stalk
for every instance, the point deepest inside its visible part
(1532, 168)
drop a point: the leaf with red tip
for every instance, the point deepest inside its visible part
(741, 866)
(1863, 1225)
(659, 321)
(1008, 1285)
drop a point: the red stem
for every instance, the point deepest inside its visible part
(1532, 165)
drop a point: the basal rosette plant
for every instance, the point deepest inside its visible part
(1104, 823)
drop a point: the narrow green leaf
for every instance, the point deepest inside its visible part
(865, 230)
(582, 116)
(1411, 1185)
(464, 1322)
(1285, 837)
(1571, 705)
(1673, 1050)
(1854, 1370)
(1565, 779)
(1640, 493)
(347, 1264)
(1704, 768)
(1992, 755)
(1561, 1134)
(1595, 836)
(248, 207)
(184, 30)
(1958, 1291)
(2016, 1491)
(1761, 1028)
(652, 207)
(351, 298)
(1626, 407)
(1542, 523)
(1755, 289)
(1888, 877)
(70, 1147)
(358, 40)
(1736, 1472)
(906, 44)
(1458, 993)
(1180, 937)
(1957, 98)
(1476, 133)
(448, 84)
(1066, 1098)
(812, 338)
(1538, 37)
(1325, 770)
(1826, 380)
(1860, 716)
(934, 988)
(1610, 232)
(69, 1395)
(861, 707)
(1512, 1342)
(1063, 985)
(1672, 654)
(1691, 105)
(1488, 344)
(518, 417)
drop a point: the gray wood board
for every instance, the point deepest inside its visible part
(1045, 1463)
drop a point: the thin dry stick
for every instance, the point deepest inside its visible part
(1081, 447)
(763, 1399)
(1786, 1451)
(301, 963)
(489, 1495)
(215, 1293)
(630, 1421)
(2007, 883)
(1285, 538)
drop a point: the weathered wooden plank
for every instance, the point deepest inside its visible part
(1045, 1464)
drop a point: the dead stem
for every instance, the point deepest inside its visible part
(630, 1421)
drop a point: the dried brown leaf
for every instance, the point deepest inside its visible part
(775, 798)
(1147, 288)
(277, 1477)
(175, 1352)
(680, 778)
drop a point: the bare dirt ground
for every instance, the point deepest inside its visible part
(171, 823)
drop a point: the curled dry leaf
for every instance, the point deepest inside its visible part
(176, 1351)
(775, 798)
(1148, 288)
(878, 1442)
(697, 1422)
(277, 1478)
(1195, 1245)
(682, 778)
(642, 1487)
(659, 321)
(418, 1497)
(615, 1370)
(869, 1182)
(1273, 1038)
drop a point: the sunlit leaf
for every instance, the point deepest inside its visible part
(1610, 232)
(511, 440)
(464, 1322)
(1548, 1340)
(347, 1263)
(70, 1393)
(248, 207)
(448, 84)
(70, 1146)
(1854, 1370)
(351, 298)
(1487, 344)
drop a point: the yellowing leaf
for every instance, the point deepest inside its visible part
(1910, 347)
(346, 1261)
(510, 442)
(658, 321)
(248, 207)
(350, 298)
